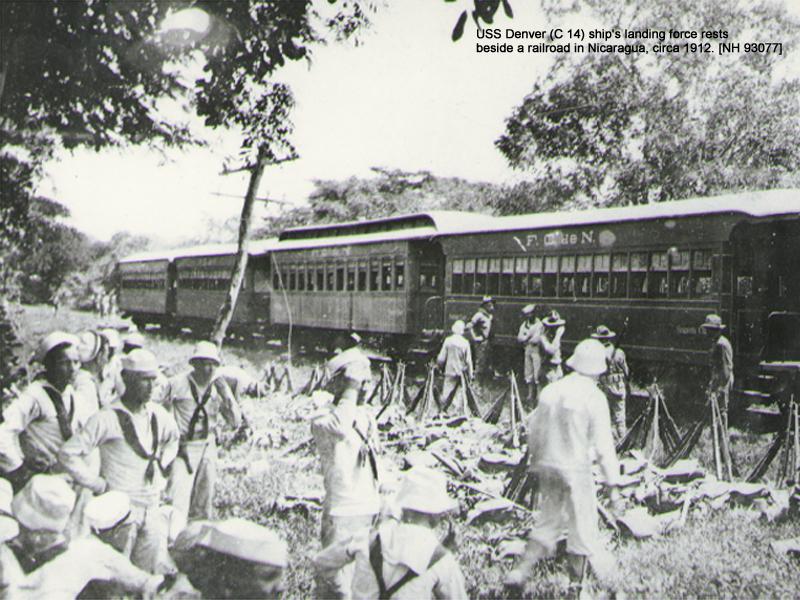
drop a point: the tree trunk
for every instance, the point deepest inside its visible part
(226, 310)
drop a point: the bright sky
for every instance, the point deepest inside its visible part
(407, 97)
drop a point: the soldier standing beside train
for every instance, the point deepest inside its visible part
(614, 382)
(720, 358)
(480, 328)
(529, 335)
(550, 348)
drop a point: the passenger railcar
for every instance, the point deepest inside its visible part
(383, 278)
(650, 272)
(187, 286)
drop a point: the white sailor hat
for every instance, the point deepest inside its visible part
(236, 537)
(89, 345)
(45, 503)
(107, 510)
(53, 340)
(458, 327)
(528, 309)
(112, 337)
(140, 361)
(425, 490)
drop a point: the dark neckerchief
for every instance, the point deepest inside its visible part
(64, 419)
(200, 413)
(132, 439)
(29, 560)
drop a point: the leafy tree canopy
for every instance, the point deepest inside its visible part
(616, 129)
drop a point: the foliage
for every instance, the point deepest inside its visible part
(613, 128)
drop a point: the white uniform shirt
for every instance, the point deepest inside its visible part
(455, 357)
(30, 426)
(351, 488)
(183, 404)
(570, 426)
(120, 466)
(68, 573)
(404, 547)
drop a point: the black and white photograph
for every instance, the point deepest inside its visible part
(399, 299)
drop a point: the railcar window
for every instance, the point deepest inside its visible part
(339, 277)
(399, 275)
(659, 265)
(276, 278)
(311, 278)
(619, 275)
(457, 281)
(351, 277)
(386, 274)
(679, 274)
(301, 278)
(745, 267)
(493, 277)
(583, 279)
(567, 282)
(362, 276)
(481, 268)
(469, 276)
(330, 276)
(374, 276)
(550, 278)
(292, 278)
(602, 264)
(535, 276)
(702, 282)
(507, 277)
(521, 276)
(638, 279)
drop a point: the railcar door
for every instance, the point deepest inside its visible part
(428, 290)
(766, 280)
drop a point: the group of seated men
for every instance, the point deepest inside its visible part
(101, 430)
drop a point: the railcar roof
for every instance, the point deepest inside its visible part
(257, 247)
(751, 204)
(435, 221)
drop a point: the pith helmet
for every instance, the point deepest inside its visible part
(206, 351)
(458, 327)
(589, 358)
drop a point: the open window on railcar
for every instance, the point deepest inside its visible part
(493, 277)
(535, 281)
(399, 274)
(361, 278)
(658, 284)
(481, 270)
(301, 277)
(550, 277)
(619, 274)
(340, 274)
(469, 276)
(292, 285)
(351, 276)
(507, 277)
(583, 275)
(330, 277)
(457, 276)
(386, 274)
(520, 276)
(637, 282)
(566, 286)
(702, 274)
(374, 275)
(600, 275)
(679, 274)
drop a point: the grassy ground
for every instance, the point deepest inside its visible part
(720, 554)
